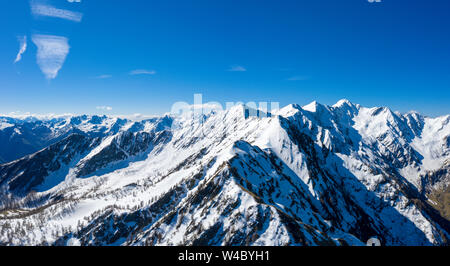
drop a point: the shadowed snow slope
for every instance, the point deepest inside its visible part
(312, 175)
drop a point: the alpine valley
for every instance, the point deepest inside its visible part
(301, 175)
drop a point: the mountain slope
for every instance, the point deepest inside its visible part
(312, 175)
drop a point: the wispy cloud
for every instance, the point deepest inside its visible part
(51, 54)
(237, 68)
(40, 9)
(298, 78)
(23, 48)
(104, 108)
(104, 76)
(23, 115)
(142, 72)
(74, 1)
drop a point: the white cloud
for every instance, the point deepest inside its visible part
(51, 54)
(23, 48)
(104, 77)
(49, 11)
(74, 1)
(298, 78)
(237, 69)
(142, 72)
(29, 115)
(136, 117)
(104, 108)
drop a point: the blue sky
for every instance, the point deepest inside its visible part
(134, 56)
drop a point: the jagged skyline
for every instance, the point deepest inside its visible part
(311, 175)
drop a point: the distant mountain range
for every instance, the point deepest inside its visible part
(311, 175)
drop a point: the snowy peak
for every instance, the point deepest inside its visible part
(343, 102)
(289, 110)
(313, 107)
(344, 106)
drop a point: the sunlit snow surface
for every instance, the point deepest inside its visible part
(263, 170)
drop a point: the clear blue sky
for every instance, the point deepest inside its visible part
(395, 53)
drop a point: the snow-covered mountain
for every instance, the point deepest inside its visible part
(311, 175)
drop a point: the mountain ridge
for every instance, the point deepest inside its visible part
(311, 175)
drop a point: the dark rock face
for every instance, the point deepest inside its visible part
(32, 137)
(25, 174)
(124, 146)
